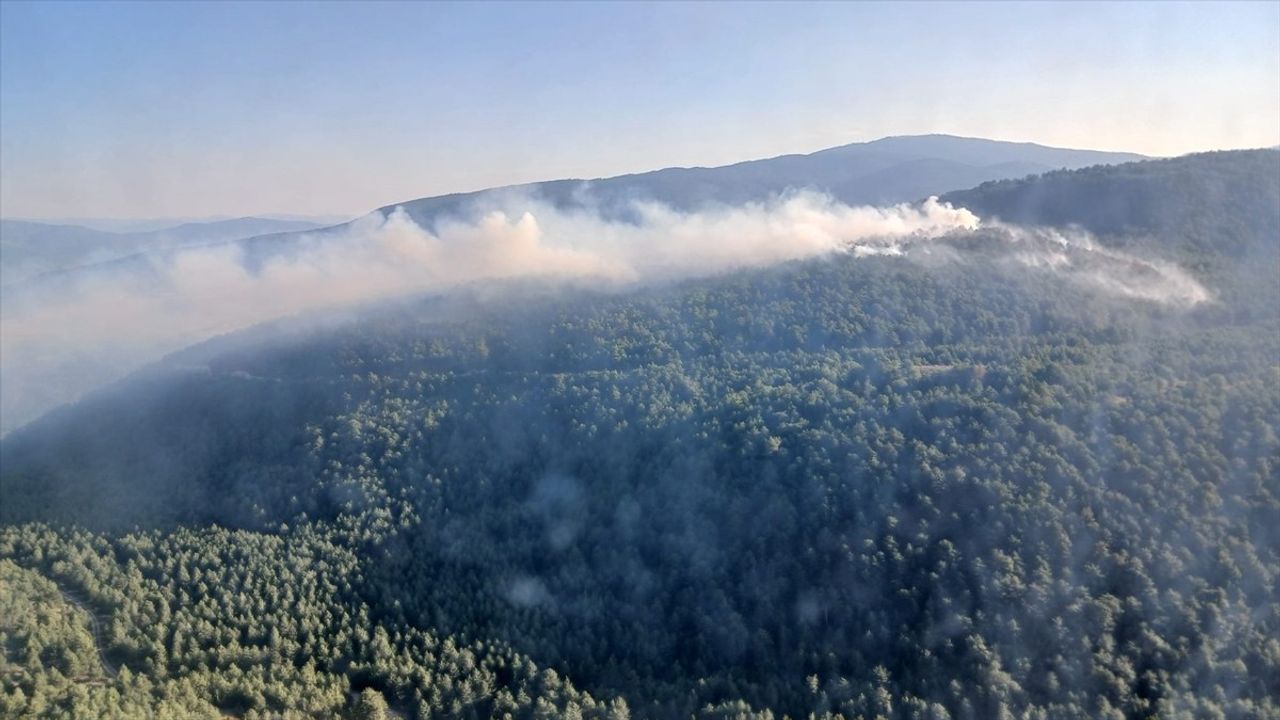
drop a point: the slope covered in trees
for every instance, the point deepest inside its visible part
(859, 486)
(1213, 213)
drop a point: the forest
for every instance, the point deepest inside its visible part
(849, 487)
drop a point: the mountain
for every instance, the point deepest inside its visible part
(962, 480)
(144, 225)
(230, 229)
(886, 171)
(29, 249)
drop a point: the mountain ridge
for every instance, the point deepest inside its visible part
(827, 170)
(948, 164)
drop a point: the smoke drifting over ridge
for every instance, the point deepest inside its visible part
(53, 349)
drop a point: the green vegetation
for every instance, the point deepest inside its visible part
(1213, 213)
(853, 487)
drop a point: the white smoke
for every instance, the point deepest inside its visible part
(1078, 257)
(1073, 255)
(54, 349)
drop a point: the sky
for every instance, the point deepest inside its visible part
(140, 110)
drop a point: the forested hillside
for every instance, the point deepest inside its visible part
(1213, 213)
(865, 487)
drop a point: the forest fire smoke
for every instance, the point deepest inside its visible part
(57, 346)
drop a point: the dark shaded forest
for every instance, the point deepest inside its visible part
(856, 487)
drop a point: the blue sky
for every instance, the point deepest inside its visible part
(187, 109)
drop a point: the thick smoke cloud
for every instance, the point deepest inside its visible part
(54, 349)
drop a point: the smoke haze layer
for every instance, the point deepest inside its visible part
(56, 346)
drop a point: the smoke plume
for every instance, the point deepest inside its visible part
(54, 348)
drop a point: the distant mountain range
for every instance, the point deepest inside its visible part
(145, 225)
(30, 248)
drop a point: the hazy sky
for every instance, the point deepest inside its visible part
(151, 109)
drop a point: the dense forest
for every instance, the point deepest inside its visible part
(855, 487)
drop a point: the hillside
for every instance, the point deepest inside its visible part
(1209, 204)
(1213, 213)
(918, 485)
